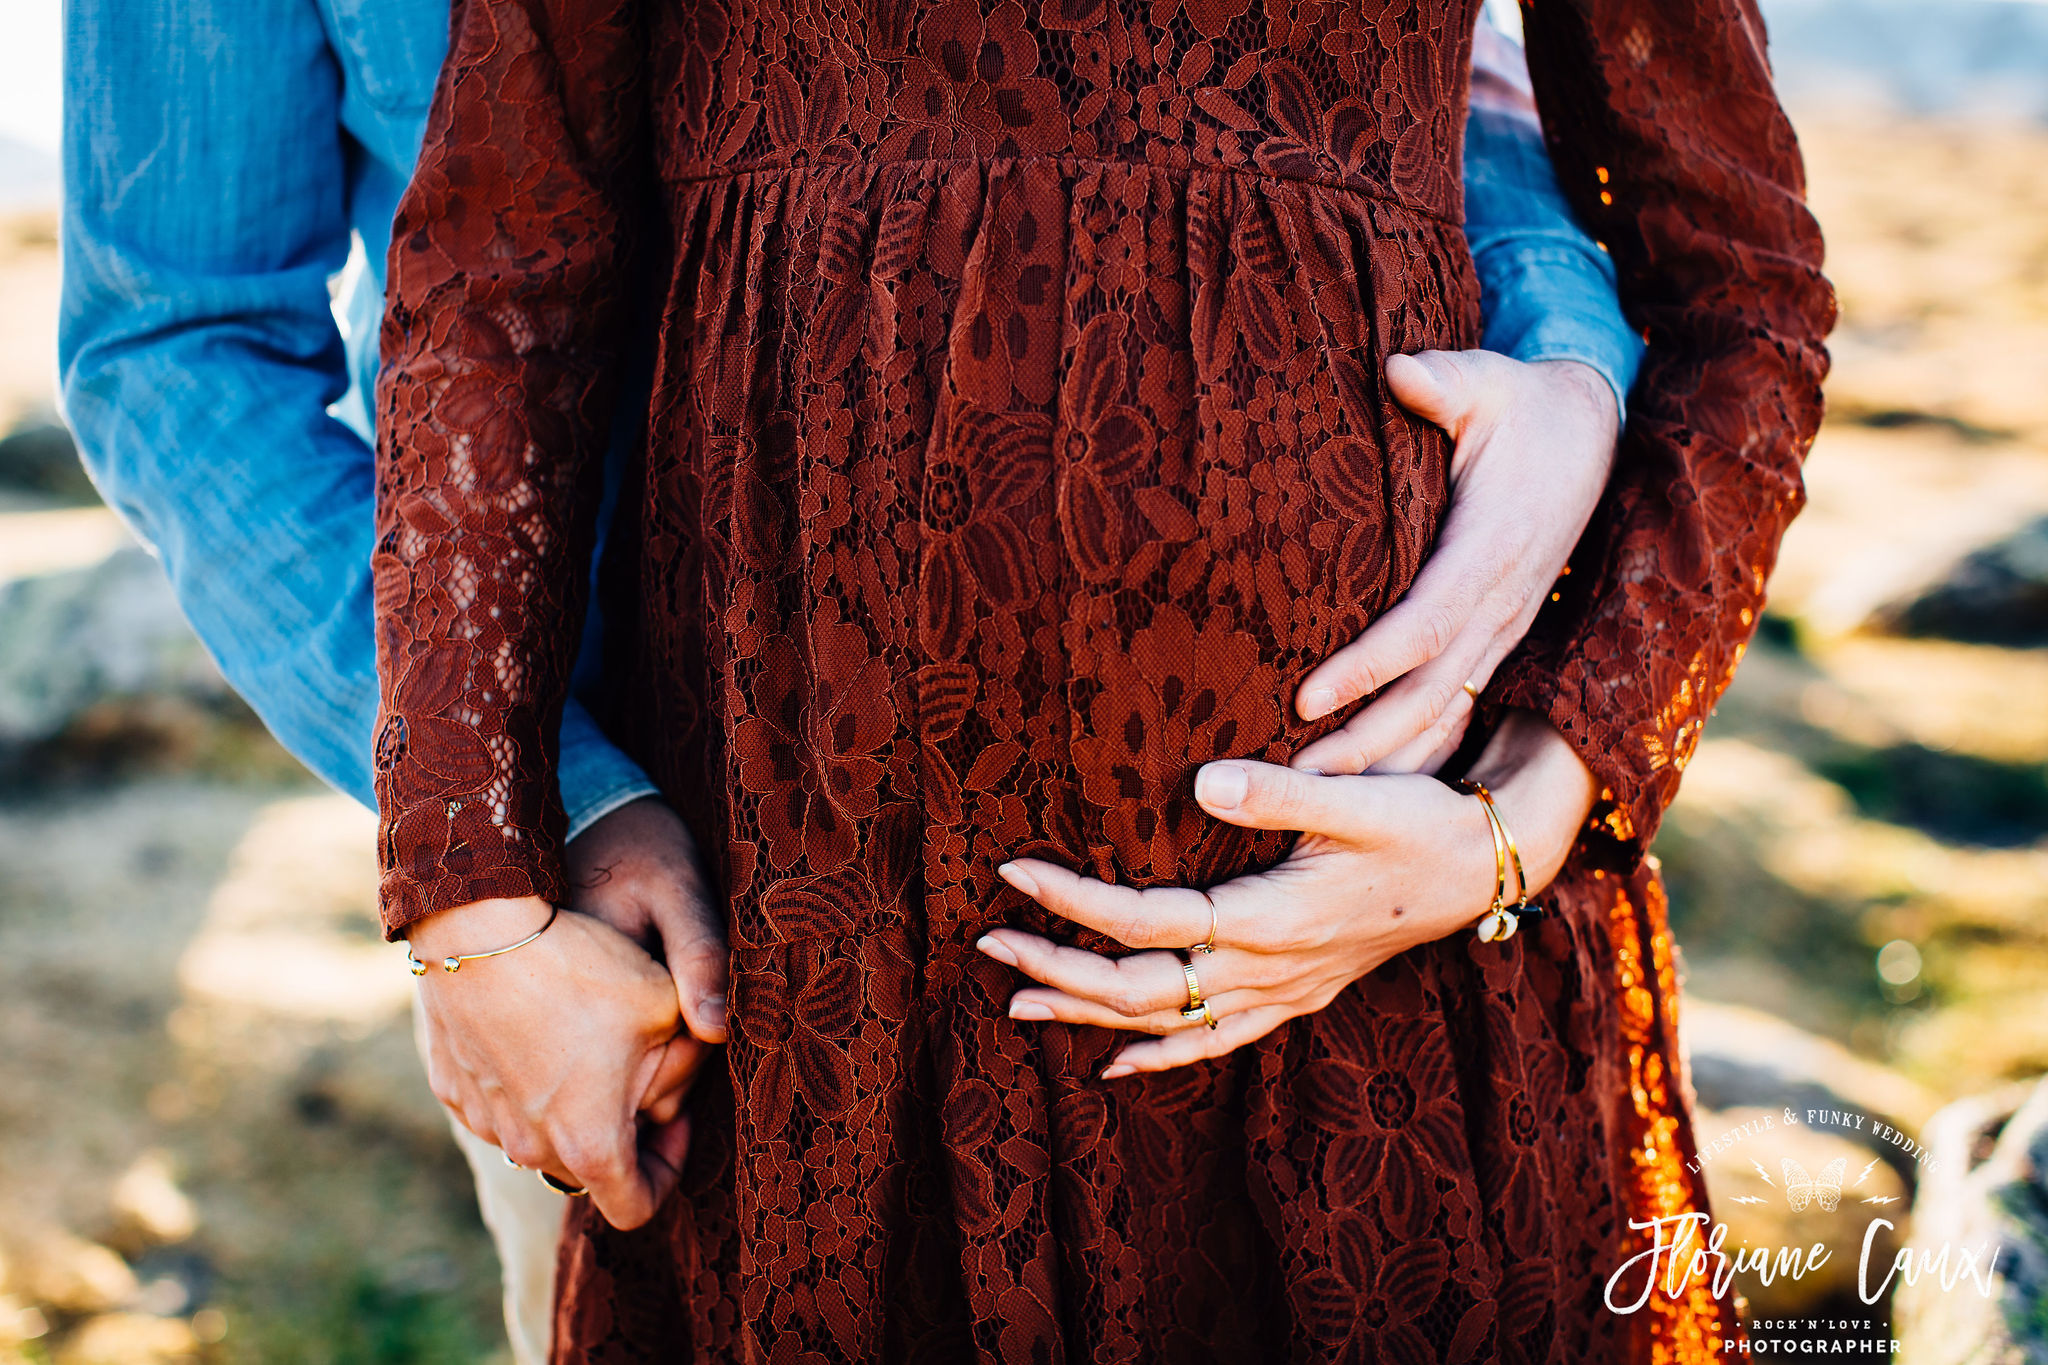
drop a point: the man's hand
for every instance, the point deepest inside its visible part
(552, 1052)
(1535, 444)
(636, 869)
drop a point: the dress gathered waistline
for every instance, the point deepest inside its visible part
(1377, 193)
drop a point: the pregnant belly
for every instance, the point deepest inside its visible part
(986, 502)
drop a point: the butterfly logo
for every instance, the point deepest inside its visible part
(1826, 1188)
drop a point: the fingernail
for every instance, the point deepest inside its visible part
(1029, 1009)
(1014, 875)
(1222, 785)
(1121, 1069)
(1316, 701)
(995, 949)
(713, 1010)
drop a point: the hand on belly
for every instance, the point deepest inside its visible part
(1534, 447)
(1384, 863)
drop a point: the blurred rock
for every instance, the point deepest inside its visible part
(174, 1279)
(69, 641)
(20, 1322)
(1744, 1058)
(37, 539)
(1754, 1205)
(147, 1201)
(1987, 1187)
(72, 1275)
(39, 457)
(129, 1339)
(1996, 596)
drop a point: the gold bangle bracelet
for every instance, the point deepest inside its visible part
(1494, 832)
(454, 964)
(1514, 851)
(1501, 920)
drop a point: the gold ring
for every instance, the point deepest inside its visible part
(1470, 690)
(1197, 1009)
(1208, 945)
(562, 1187)
(1193, 1009)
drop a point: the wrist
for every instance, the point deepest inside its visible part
(1542, 789)
(476, 928)
(1589, 388)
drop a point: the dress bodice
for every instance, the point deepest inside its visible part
(1365, 95)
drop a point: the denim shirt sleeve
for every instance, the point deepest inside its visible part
(205, 207)
(1546, 288)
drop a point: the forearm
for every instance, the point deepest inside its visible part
(1689, 171)
(1547, 288)
(269, 551)
(196, 348)
(500, 374)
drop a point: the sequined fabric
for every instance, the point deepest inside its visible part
(1018, 442)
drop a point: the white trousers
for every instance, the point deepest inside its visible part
(525, 1219)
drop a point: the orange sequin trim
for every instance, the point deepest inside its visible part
(1658, 1124)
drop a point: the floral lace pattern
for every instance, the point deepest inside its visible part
(1665, 133)
(1017, 444)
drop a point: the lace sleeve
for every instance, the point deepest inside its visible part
(507, 299)
(1665, 132)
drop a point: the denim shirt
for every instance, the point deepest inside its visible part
(1546, 288)
(220, 158)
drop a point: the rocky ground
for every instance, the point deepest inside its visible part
(214, 1140)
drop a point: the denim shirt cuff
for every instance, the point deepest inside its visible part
(595, 778)
(1548, 301)
(1548, 289)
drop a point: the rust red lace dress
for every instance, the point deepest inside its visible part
(1017, 443)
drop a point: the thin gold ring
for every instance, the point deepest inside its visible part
(562, 1187)
(1470, 690)
(1208, 945)
(1197, 1007)
(1197, 1010)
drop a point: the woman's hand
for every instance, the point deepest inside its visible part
(552, 1052)
(1384, 863)
(1535, 444)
